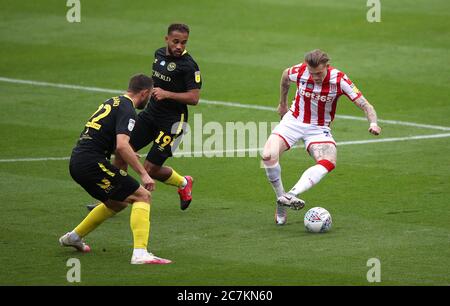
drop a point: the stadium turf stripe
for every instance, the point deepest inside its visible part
(248, 150)
(228, 104)
(212, 102)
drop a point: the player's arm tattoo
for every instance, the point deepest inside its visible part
(321, 151)
(368, 109)
(284, 87)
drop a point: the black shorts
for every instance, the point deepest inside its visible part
(100, 178)
(165, 135)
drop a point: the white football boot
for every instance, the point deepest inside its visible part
(280, 214)
(291, 201)
(67, 241)
(148, 258)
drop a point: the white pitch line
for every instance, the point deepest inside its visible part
(248, 150)
(56, 85)
(396, 122)
(212, 102)
(341, 143)
(15, 160)
(228, 104)
(393, 139)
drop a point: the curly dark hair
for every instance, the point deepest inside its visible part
(180, 27)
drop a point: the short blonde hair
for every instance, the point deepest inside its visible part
(316, 57)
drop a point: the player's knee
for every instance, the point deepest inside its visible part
(265, 156)
(332, 159)
(116, 206)
(269, 158)
(273, 148)
(142, 195)
(268, 153)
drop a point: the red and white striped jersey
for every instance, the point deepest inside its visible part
(316, 103)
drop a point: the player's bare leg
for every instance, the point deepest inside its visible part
(160, 173)
(169, 176)
(325, 155)
(273, 149)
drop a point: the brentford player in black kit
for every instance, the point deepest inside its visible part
(177, 84)
(108, 131)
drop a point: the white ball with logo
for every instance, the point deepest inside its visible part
(318, 220)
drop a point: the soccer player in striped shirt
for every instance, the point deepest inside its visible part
(319, 86)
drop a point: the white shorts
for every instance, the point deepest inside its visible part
(291, 130)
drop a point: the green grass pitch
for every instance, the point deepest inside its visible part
(389, 200)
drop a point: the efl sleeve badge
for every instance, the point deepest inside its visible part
(197, 77)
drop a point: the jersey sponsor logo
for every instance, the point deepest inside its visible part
(161, 76)
(316, 96)
(131, 124)
(197, 77)
(123, 173)
(162, 63)
(171, 66)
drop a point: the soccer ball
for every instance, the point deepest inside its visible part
(317, 220)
